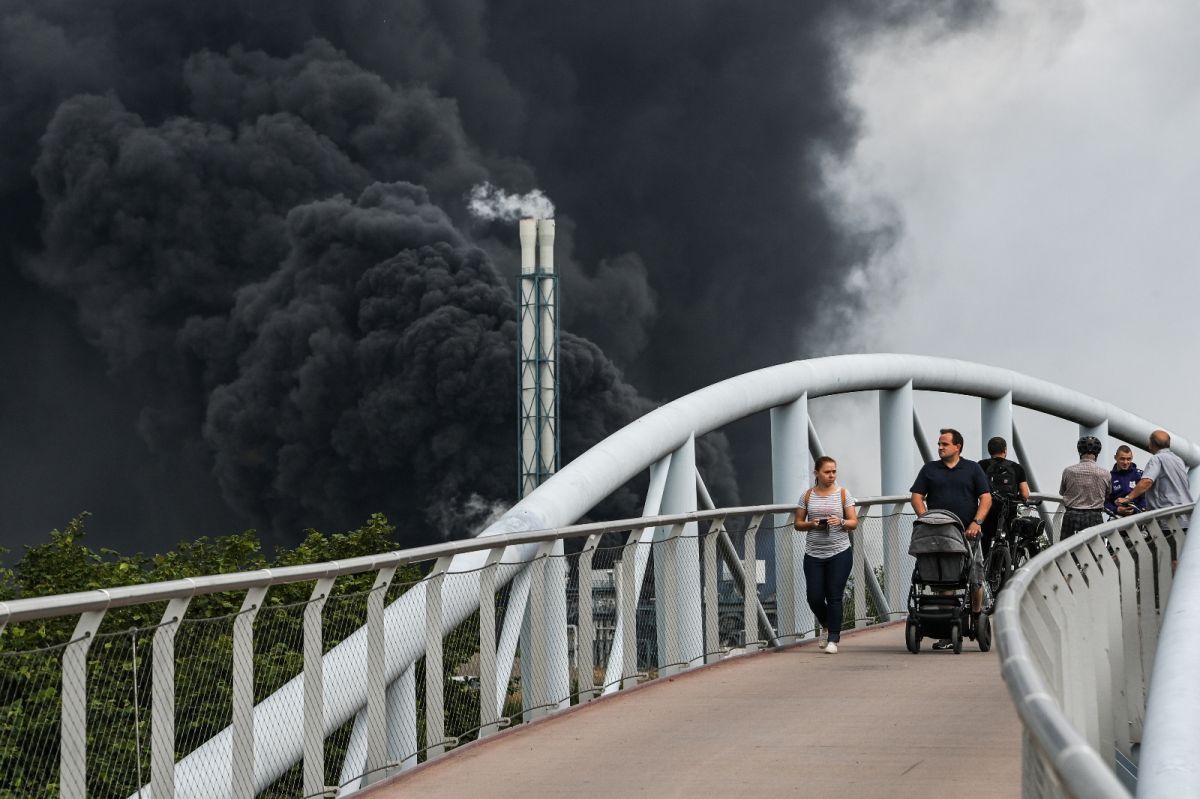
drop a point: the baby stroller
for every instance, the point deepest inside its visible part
(939, 600)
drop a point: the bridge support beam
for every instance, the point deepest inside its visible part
(996, 419)
(1099, 430)
(895, 476)
(790, 438)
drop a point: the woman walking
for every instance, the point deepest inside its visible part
(827, 513)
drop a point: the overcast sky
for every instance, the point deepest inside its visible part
(1040, 170)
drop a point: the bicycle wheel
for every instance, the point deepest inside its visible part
(996, 571)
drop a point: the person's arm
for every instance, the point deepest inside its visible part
(920, 489)
(849, 518)
(1142, 487)
(802, 522)
(983, 490)
(981, 512)
(1022, 482)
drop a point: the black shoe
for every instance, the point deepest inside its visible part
(945, 643)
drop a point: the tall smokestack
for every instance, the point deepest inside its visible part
(548, 343)
(528, 354)
(538, 354)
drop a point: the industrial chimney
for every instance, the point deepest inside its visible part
(537, 353)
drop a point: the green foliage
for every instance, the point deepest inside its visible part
(119, 727)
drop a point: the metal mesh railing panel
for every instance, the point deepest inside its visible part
(30, 720)
(120, 666)
(278, 658)
(342, 615)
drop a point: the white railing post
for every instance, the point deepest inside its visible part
(162, 714)
(538, 686)
(585, 639)
(73, 751)
(790, 470)
(314, 689)
(377, 757)
(896, 475)
(241, 767)
(677, 569)
(627, 613)
(858, 570)
(435, 692)
(489, 710)
(750, 593)
(712, 620)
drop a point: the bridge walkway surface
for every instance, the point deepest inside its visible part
(870, 721)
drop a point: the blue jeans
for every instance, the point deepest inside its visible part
(825, 580)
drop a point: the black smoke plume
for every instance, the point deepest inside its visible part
(240, 230)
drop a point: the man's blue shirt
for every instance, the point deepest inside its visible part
(957, 490)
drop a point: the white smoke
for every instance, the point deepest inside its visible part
(458, 518)
(490, 202)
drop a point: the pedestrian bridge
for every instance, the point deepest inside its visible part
(365, 676)
(872, 721)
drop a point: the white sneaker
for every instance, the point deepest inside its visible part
(831, 648)
(824, 643)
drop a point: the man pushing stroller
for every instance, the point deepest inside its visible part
(955, 484)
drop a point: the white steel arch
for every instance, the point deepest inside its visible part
(604, 468)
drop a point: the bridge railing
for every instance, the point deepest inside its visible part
(244, 684)
(1078, 629)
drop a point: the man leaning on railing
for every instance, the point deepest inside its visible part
(1165, 478)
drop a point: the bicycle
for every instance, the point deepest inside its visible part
(1018, 538)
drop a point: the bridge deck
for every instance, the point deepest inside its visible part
(872, 720)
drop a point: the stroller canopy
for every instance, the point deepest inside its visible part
(938, 532)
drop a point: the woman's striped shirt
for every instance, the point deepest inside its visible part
(826, 543)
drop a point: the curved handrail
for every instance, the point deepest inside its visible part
(1171, 737)
(1082, 770)
(109, 598)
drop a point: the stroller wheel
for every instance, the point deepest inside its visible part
(912, 637)
(983, 634)
(956, 637)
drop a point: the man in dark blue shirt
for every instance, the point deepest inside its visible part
(953, 483)
(958, 485)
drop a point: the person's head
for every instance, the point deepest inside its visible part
(1159, 439)
(997, 447)
(1088, 447)
(1124, 457)
(949, 444)
(825, 470)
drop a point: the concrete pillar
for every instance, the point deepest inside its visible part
(790, 477)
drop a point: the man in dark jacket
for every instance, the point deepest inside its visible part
(1125, 475)
(1008, 480)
